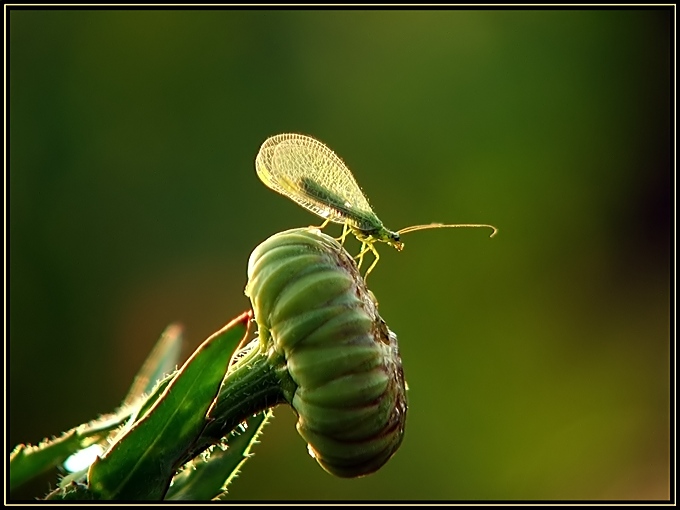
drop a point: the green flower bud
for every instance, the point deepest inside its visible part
(317, 319)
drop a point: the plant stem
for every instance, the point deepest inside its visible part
(253, 384)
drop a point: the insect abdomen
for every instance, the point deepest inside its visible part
(338, 207)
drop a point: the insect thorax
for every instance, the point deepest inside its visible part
(381, 234)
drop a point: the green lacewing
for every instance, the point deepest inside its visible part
(311, 174)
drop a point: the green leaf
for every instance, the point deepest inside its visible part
(243, 445)
(27, 462)
(72, 491)
(161, 361)
(144, 405)
(141, 464)
(208, 477)
(139, 409)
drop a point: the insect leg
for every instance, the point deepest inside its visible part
(364, 249)
(345, 231)
(375, 252)
(322, 225)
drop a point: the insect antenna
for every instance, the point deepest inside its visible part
(444, 225)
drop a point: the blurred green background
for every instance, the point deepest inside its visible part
(537, 361)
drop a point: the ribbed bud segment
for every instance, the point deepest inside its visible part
(313, 309)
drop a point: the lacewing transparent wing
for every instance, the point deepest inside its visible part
(309, 173)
